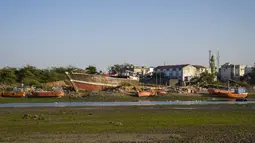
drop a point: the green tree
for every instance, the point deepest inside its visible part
(91, 70)
(7, 75)
(31, 81)
(60, 72)
(49, 75)
(28, 72)
(206, 78)
(213, 67)
(252, 76)
(120, 68)
(117, 68)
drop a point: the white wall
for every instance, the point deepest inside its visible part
(150, 70)
(227, 71)
(189, 71)
(242, 70)
(201, 70)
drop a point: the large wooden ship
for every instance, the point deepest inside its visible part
(93, 82)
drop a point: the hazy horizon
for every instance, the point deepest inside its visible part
(46, 33)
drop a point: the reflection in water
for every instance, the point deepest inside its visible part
(140, 103)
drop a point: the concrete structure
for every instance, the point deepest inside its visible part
(248, 70)
(230, 71)
(181, 72)
(128, 70)
(136, 70)
(150, 71)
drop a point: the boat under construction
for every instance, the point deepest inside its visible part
(89, 82)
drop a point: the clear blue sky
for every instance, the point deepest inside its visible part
(48, 33)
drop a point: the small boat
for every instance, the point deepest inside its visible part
(47, 94)
(237, 93)
(161, 92)
(16, 92)
(55, 93)
(13, 94)
(146, 93)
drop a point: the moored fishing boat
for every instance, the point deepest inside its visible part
(55, 93)
(146, 93)
(16, 92)
(13, 94)
(47, 94)
(237, 93)
(161, 92)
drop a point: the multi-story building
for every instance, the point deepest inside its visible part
(127, 70)
(230, 71)
(248, 70)
(137, 70)
(183, 72)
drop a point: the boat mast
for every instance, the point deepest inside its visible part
(74, 86)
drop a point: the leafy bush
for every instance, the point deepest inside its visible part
(30, 75)
(30, 81)
(7, 76)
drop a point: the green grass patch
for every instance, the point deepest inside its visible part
(131, 119)
(182, 125)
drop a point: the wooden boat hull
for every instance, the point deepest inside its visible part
(13, 94)
(227, 93)
(91, 86)
(218, 91)
(161, 92)
(233, 95)
(146, 93)
(91, 82)
(48, 94)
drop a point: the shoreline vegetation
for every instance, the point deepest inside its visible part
(231, 123)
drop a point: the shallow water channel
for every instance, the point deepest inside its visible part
(139, 103)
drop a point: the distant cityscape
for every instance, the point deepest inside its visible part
(185, 72)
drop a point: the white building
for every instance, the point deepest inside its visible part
(231, 71)
(181, 72)
(150, 71)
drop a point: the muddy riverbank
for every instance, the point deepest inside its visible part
(120, 98)
(234, 123)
